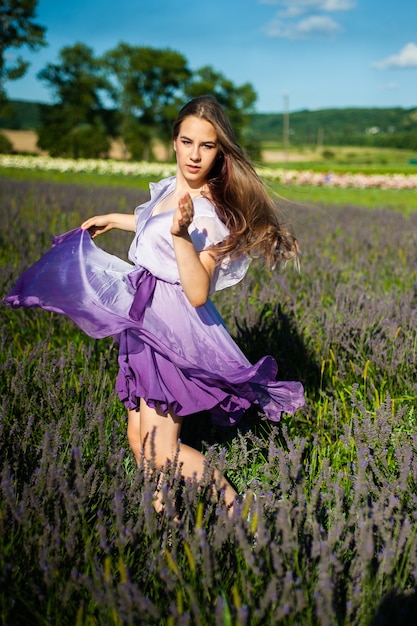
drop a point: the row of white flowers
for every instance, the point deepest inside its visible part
(162, 170)
(97, 166)
(342, 179)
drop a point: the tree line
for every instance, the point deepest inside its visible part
(387, 127)
(380, 127)
(130, 92)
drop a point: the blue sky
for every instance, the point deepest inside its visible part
(313, 54)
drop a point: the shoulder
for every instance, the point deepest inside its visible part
(206, 229)
(205, 208)
(205, 214)
(157, 189)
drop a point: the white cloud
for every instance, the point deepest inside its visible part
(305, 19)
(407, 57)
(314, 27)
(293, 8)
(389, 87)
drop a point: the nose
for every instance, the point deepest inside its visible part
(195, 155)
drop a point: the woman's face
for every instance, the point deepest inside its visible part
(197, 149)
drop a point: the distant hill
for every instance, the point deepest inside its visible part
(350, 126)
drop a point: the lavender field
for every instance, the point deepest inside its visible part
(329, 539)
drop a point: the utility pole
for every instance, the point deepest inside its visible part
(286, 127)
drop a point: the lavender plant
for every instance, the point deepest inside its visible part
(329, 539)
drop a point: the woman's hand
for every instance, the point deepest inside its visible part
(183, 216)
(100, 224)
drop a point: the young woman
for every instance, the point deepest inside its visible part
(197, 234)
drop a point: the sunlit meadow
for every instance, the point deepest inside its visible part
(286, 176)
(327, 532)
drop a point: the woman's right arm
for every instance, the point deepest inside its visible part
(102, 223)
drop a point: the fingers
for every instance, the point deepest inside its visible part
(95, 225)
(88, 223)
(186, 207)
(183, 216)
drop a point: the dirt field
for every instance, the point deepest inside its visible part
(25, 141)
(22, 140)
(278, 156)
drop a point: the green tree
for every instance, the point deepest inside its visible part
(77, 125)
(60, 138)
(147, 88)
(6, 146)
(238, 102)
(17, 29)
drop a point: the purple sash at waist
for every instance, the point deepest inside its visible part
(144, 283)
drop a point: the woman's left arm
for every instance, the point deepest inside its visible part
(196, 269)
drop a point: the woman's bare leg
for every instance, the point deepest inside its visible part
(133, 433)
(159, 435)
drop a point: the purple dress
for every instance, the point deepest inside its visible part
(172, 354)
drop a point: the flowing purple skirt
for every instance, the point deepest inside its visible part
(171, 354)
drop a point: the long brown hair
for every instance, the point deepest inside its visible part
(238, 193)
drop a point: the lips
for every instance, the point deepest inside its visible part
(193, 168)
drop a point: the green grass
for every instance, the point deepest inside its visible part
(348, 159)
(81, 178)
(403, 200)
(397, 199)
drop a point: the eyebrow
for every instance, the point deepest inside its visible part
(213, 143)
